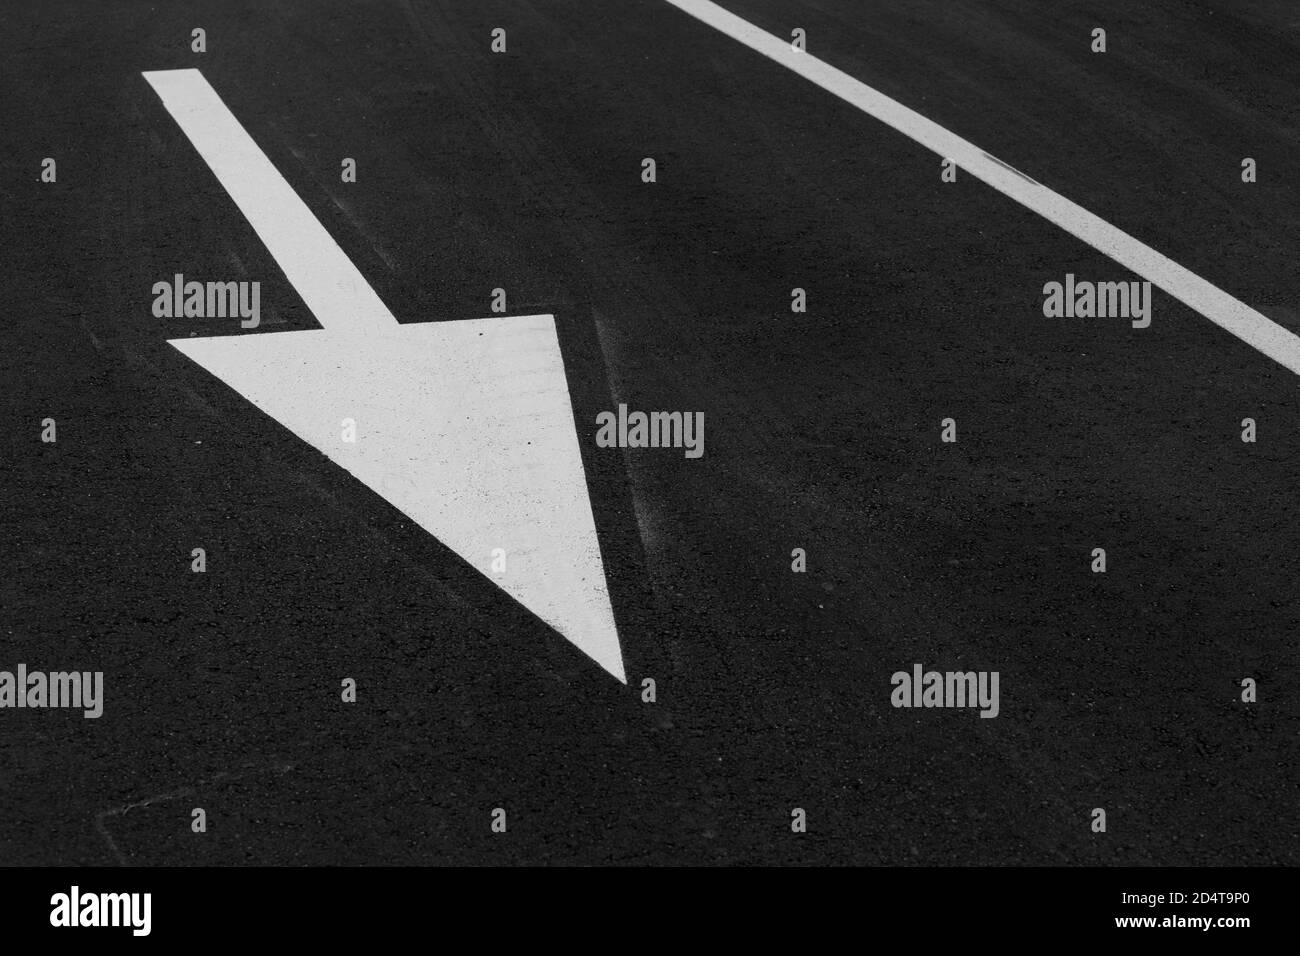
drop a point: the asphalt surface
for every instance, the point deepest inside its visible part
(522, 170)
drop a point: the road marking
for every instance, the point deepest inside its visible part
(1219, 307)
(466, 427)
(335, 291)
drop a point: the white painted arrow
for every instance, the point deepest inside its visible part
(465, 427)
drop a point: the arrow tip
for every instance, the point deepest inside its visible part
(467, 428)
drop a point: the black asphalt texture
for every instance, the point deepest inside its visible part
(522, 170)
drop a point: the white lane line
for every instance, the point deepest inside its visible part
(1223, 310)
(335, 291)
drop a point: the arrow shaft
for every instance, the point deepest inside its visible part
(331, 286)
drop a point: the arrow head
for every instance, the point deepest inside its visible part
(466, 427)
